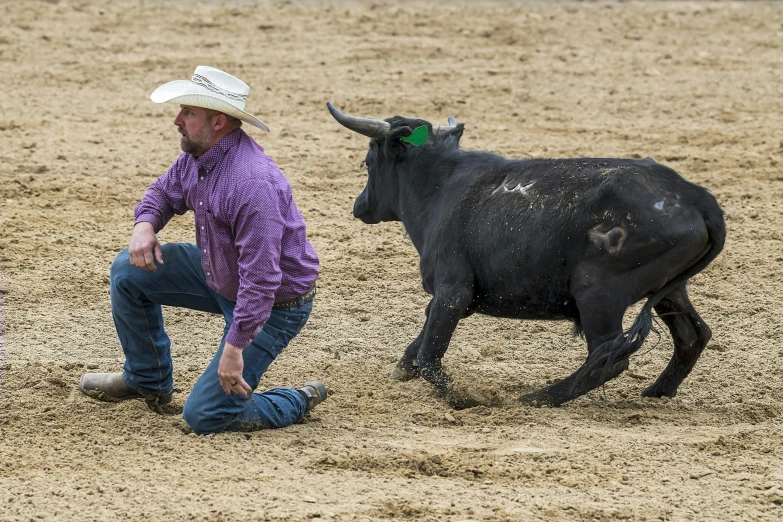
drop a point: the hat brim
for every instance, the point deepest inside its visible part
(184, 92)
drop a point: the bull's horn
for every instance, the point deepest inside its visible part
(452, 122)
(375, 129)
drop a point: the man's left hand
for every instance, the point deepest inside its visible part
(230, 371)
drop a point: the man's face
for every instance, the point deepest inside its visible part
(195, 125)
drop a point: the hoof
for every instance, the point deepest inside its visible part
(399, 373)
(538, 400)
(656, 392)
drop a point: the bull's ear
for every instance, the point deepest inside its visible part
(456, 132)
(451, 135)
(392, 144)
(399, 132)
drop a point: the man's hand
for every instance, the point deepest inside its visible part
(143, 246)
(230, 371)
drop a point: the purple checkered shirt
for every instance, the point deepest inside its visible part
(252, 237)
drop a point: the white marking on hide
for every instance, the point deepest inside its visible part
(659, 205)
(612, 241)
(522, 189)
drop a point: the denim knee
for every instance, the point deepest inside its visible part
(120, 268)
(200, 420)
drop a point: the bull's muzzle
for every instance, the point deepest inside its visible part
(361, 210)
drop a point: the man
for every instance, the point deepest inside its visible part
(251, 262)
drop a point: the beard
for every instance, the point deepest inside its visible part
(197, 144)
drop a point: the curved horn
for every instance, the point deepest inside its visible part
(452, 122)
(375, 129)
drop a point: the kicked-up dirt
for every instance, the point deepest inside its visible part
(696, 85)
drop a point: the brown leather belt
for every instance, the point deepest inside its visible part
(298, 301)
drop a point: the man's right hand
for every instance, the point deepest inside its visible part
(143, 246)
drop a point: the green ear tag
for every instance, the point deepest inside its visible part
(418, 137)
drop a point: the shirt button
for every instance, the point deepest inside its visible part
(200, 203)
(201, 178)
(207, 273)
(205, 250)
(202, 227)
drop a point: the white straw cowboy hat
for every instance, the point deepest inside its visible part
(210, 88)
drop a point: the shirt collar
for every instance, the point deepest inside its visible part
(210, 158)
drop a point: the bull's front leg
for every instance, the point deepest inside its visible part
(448, 305)
(408, 367)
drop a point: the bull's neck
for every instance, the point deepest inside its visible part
(419, 195)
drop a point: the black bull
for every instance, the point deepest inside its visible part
(574, 239)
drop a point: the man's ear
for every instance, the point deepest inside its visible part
(219, 122)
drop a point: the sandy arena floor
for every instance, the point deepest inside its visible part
(697, 86)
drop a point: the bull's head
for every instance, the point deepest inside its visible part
(379, 201)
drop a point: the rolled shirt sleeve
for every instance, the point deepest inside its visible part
(258, 211)
(163, 199)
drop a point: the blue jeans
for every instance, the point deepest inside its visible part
(136, 299)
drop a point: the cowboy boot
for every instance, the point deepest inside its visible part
(314, 393)
(111, 387)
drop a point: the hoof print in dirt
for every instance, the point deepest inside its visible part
(461, 399)
(165, 409)
(181, 425)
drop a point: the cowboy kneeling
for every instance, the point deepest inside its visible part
(251, 262)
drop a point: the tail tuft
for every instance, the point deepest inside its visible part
(606, 354)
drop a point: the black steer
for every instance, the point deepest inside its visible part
(576, 239)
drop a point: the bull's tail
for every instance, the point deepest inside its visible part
(606, 354)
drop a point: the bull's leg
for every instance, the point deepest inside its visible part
(408, 367)
(600, 321)
(447, 307)
(690, 335)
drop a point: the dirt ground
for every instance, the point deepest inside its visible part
(697, 86)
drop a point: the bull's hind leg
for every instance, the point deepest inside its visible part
(600, 321)
(690, 335)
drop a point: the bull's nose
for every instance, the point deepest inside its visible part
(359, 215)
(362, 210)
(359, 208)
(365, 215)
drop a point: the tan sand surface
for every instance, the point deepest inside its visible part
(696, 85)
